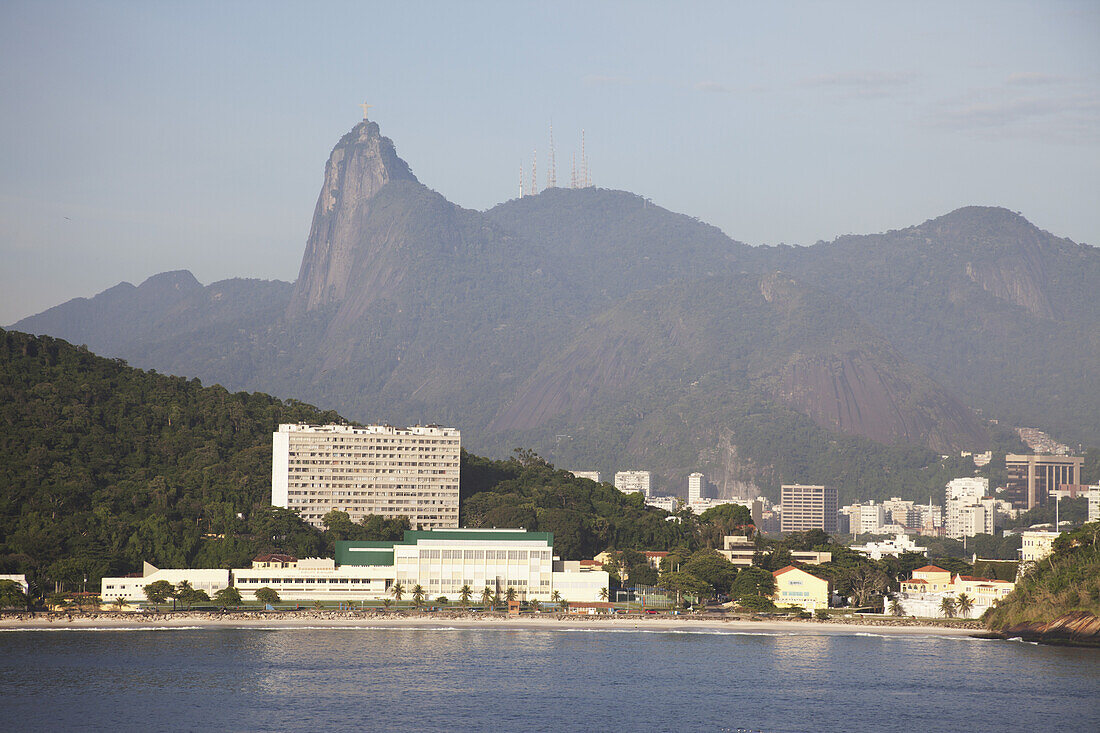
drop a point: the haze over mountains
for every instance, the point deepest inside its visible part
(606, 332)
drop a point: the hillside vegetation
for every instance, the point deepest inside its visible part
(104, 466)
(1065, 582)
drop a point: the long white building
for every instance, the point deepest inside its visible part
(440, 561)
(132, 587)
(377, 469)
(640, 482)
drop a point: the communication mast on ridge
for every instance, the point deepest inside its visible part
(552, 175)
(586, 181)
(521, 194)
(534, 172)
(573, 175)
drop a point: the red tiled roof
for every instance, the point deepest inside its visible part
(656, 554)
(930, 569)
(916, 580)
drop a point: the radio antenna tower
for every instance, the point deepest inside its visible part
(534, 172)
(584, 164)
(521, 194)
(552, 175)
(573, 175)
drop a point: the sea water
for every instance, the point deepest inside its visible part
(508, 679)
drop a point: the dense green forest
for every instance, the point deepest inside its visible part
(103, 466)
(1066, 581)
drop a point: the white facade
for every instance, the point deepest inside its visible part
(316, 579)
(872, 517)
(968, 512)
(592, 475)
(210, 580)
(668, 503)
(1094, 503)
(378, 469)
(630, 482)
(697, 483)
(20, 580)
(895, 547)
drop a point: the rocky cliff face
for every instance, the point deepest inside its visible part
(360, 165)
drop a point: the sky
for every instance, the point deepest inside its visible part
(138, 137)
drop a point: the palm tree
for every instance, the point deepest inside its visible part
(964, 604)
(496, 600)
(386, 603)
(120, 603)
(464, 594)
(555, 597)
(896, 608)
(947, 607)
(510, 594)
(487, 597)
(604, 594)
(418, 595)
(397, 591)
(535, 605)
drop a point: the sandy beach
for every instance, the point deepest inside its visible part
(429, 621)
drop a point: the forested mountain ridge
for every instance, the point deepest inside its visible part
(410, 309)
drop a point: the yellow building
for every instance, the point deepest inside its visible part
(929, 579)
(795, 587)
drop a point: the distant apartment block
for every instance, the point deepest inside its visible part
(1094, 503)
(697, 484)
(808, 507)
(377, 469)
(591, 475)
(1037, 544)
(630, 482)
(1031, 478)
(969, 511)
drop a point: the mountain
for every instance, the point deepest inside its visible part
(996, 309)
(603, 330)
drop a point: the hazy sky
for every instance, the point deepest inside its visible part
(139, 137)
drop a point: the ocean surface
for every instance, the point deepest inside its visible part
(534, 680)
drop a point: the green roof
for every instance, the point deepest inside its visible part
(381, 553)
(364, 553)
(483, 535)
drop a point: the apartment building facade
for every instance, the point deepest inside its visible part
(808, 507)
(378, 469)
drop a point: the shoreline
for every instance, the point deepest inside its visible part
(436, 621)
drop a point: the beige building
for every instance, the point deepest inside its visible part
(377, 469)
(1031, 478)
(796, 587)
(924, 593)
(928, 579)
(1037, 544)
(808, 507)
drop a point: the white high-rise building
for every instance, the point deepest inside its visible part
(377, 469)
(630, 482)
(696, 485)
(872, 517)
(968, 511)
